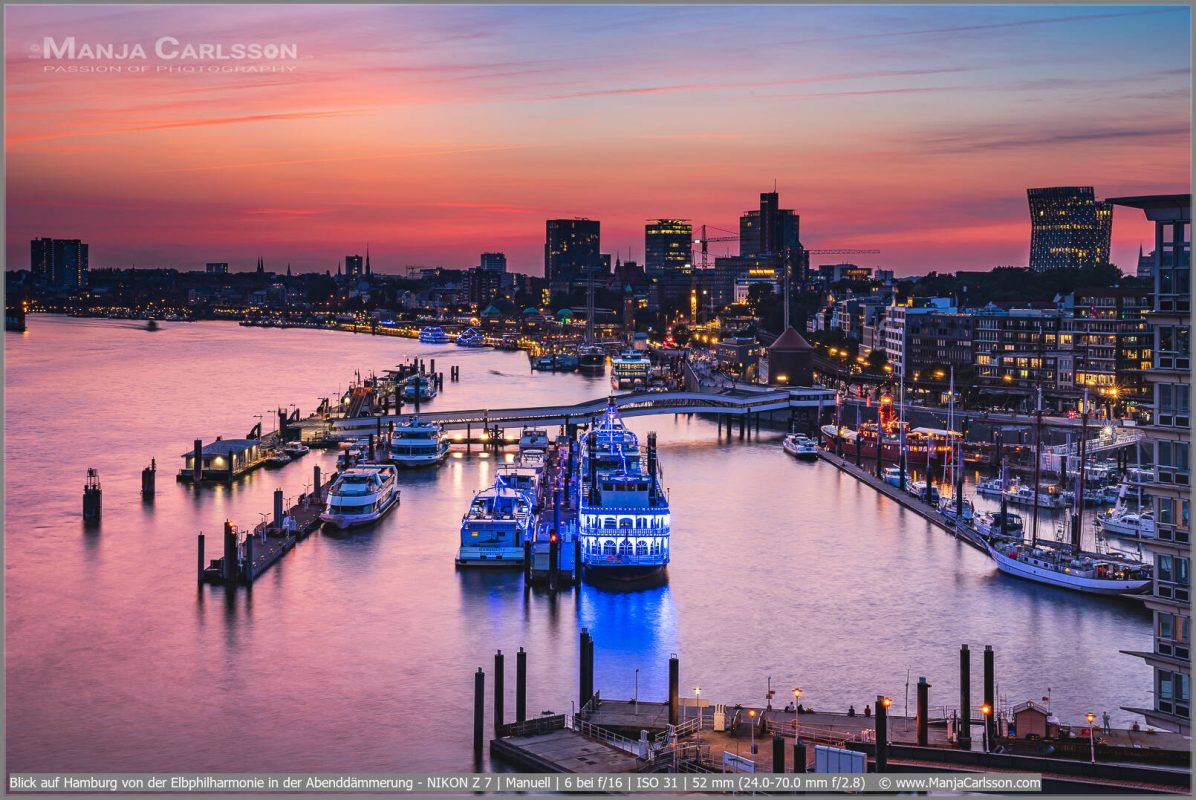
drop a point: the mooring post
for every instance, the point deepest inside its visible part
(315, 483)
(201, 564)
(520, 686)
(554, 555)
(778, 753)
(923, 710)
(197, 461)
(799, 756)
(989, 698)
(674, 689)
(278, 509)
(498, 693)
(576, 559)
(93, 496)
(230, 553)
(468, 436)
(247, 575)
(882, 734)
(432, 365)
(479, 709)
(965, 698)
(589, 667)
(581, 669)
(147, 480)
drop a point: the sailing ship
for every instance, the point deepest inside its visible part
(590, 357)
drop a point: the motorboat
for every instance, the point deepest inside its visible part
(801, 447)
(360, 495)
(499, 521)
(1129, 524)
(296, 449)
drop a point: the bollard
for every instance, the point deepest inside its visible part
(965, 698)
(147, 480)
(527, 559)
(923, 710)
(674, 689)
(197, 461)
(882, 734)
(315, 477)
(778, 753)
(520, 686)
(498, 693)
(278, 509)
(990, 719)
(799, 757)
(229, 565)
(479, 709)
(201, 564)
(93, 496)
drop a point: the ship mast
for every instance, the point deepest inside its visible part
(1078, 519)
(1037, 468)
(590, 308)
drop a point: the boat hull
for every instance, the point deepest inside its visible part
(624, 573)
(491, 557)
(1102, 586)
(344, 522)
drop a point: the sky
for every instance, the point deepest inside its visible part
(434, 133)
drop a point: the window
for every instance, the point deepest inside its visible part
(1172, 569)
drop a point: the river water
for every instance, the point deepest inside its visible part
(357, 652)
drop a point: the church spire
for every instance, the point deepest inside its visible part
(367, 259)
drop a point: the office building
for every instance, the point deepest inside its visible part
(571, 249)
(917, 335)
(59, 263)
(216, 268)
(1167, 440)
(354, 266)
(1112, 344)
(668, 245)
(1069, 228)
(493, 262)
(771, 230)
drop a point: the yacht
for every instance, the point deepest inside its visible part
(989, 524)
(1128, 524)
(417, 443)
(800, 447)
(296, 449)
(534, 439)
(525, 474)
(623, 515)
(434, 334)
(422, 384)
(470, 338)
(360, 495)
(496, 526)
(630, 369)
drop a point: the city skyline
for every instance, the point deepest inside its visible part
(884, 127)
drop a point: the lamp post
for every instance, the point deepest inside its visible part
(698, 706)
(796, 718)
(1091, 736)
(986, 710)
(637, 690)
(752, 720)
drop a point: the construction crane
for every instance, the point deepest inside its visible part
(839, 252)
(705, 241)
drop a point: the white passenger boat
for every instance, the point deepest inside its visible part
(277, 458)
(801, 447)
(1046, 497)
(470, 338)
(296, 449)
(534, 439)
(993, 487)
(360, 495)
(494, 529)
(434, 334)
(630, 370)
(415, 442)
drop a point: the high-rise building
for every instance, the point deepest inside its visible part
(1167, 441)
(668, 245)
(571, 249)
(771, 230)
(1069, 228)
(216, 267)
(354, 266)
(59, 263)
(493, 262)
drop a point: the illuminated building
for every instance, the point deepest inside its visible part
(667, 247)
(571, 248)
(59, 263)
(1069, 228)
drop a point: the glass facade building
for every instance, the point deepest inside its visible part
(668, 246)
(1069, 228)
(571, 248)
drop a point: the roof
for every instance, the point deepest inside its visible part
(1030, 705)
(224, 447)
(790, 342)
(1159, 207)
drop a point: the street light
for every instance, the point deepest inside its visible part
(796, 717)
(752, 717)
(986, 710)
(698, 706)
(1091, 735)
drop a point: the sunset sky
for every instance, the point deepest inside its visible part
(435, 133)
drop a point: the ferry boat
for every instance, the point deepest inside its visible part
(470, 338)
(630, 370)
(591, 358)
(524, 474)
(360, 495)
(434, 334)
(921, 444)
(417, 443)
(1129, 525)
(1056, 564)
(623, 516)
(296, 449)
(800, 447)
(422, 384)
(493, 531)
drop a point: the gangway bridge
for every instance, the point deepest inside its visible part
(734, 402)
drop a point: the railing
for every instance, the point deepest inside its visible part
(600, 734)
(534, 727)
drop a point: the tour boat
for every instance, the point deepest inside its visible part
(296, 449)
(534, 439)
(630, 369)
(417, 443)
(360, 495)
(623, 516)
(800, 447)
(470, 338)
(525, 474)
(591, 358)
(422, 384)
(493, 531)
(434, 334)
(1129, 524)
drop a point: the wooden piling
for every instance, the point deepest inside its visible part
(148, 476)
(989, 693)
(520, 686)
(498, 693)
(479, 709)
(674, 690)
(230, 553)
(882, 735)
(923, 710)
(778, 751)
(965, 698)
(197, 461)
(247, 575)
(201, 564)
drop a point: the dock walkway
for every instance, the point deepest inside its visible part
(563, 750)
